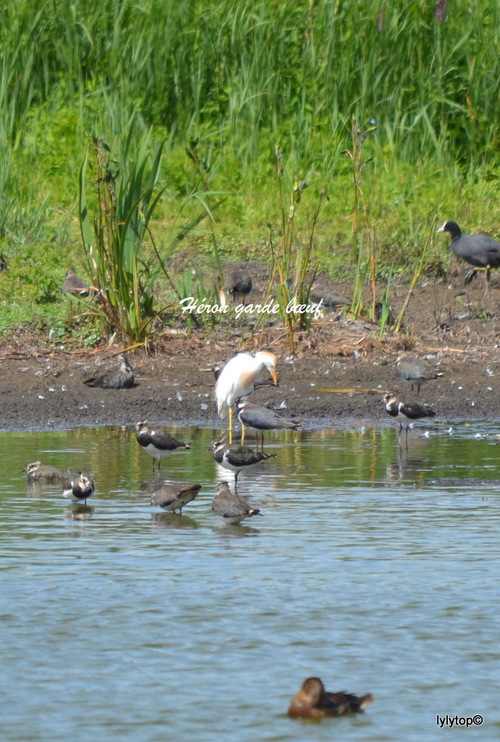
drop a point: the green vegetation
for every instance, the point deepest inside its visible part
(213, 88)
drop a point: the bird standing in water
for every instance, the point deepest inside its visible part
(261, 418)
(406, 412)
(78, 487)
(237, 379)
(173, 497)
(230, 507)
(157, 443)
(38, 472)
(313, 701)
(237, 458)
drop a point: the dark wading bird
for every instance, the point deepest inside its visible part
(75, 285)
(122, 377)
(38, 472)
(313, 701)
(261, 418)
(3, 263)
(78, 487)
(416, 372)
(230, 507)
(240, 284)
(237, 458)
(478, 250)
(405, 412)
(237, 379)
(173, 497)
(156, 442)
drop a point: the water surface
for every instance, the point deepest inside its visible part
(374, 566)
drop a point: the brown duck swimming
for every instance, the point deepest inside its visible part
(313, 701)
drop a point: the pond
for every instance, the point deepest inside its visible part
(375, 566)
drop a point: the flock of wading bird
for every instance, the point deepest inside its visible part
(234, 383)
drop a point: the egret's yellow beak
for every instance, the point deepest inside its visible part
(274, 375)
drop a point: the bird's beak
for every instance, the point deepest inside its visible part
(441, 229)
(275, 376)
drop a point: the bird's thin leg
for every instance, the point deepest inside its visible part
(230, 426)
(399, 432)
(262, 442)
(236, 480)
(242, 439)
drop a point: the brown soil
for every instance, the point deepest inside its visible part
(41, 387)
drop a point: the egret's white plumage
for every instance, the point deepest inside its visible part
(237, 379)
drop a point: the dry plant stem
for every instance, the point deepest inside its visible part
(416, 275)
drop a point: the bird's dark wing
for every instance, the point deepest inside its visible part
(164, 442)
(242, 456)
(413, 411)
(346, 703)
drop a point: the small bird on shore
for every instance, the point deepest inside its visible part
(261, 418)
(415, 371)
(237, 379)
(78, 487)
(75, 285)
(38, 472)
(406, 412)
(232, 508)
(173, 497)
(240, 284)
(478, 250)
(314, 702)
(328, 298)
(157, 443)
(237, 458)
(122, 377)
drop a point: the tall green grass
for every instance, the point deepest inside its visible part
(241, 78)
(244, 69)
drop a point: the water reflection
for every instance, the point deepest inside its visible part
(80, 513)
(173, 521)
(372, 567)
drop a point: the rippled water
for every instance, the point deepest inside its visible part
(375, 567)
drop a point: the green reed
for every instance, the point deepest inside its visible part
(241, 75)
(244, 68)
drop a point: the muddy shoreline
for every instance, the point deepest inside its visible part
(43, 387)
(46, 391)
